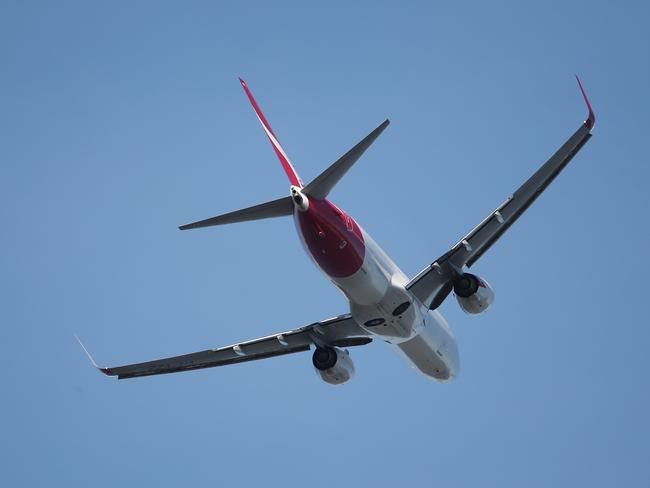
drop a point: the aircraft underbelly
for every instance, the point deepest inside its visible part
(380, 303)
(423, 354)
(375, 288)
(378, 300)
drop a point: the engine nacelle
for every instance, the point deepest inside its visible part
(333, 365)
(473, 294)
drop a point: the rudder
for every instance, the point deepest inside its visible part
(282, 156)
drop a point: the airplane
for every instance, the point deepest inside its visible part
(384, 303)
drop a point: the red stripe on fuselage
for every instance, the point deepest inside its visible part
(332, 237)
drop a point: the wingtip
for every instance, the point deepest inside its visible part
(591, 118)
(86, 351)
(106, 371)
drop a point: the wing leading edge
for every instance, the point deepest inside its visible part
(341, 331)
(432, 285)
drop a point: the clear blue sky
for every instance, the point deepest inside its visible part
(122, 120)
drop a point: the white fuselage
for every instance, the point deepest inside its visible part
(381, 305)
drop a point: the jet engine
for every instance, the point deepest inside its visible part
(473, 294)
(333, 365)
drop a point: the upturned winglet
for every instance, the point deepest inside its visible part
(591, 118)
(106, 371)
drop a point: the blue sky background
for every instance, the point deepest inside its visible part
(122, 120)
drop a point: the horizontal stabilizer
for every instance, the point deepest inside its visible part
(276, 208)
(321, 186)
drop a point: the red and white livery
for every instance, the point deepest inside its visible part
(384, 303)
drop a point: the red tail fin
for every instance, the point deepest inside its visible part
(282, 156)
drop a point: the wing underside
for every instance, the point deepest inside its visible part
(432, 285)
(341, 331)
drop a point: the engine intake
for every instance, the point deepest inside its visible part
(333, 365)
(473, 294)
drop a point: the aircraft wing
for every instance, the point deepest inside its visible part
(432, 285)
(341, 331)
